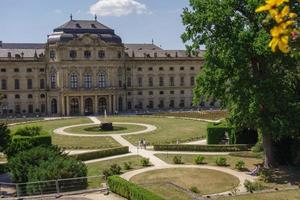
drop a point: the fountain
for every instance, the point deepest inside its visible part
(106, 126)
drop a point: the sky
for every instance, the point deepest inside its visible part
(136, 21)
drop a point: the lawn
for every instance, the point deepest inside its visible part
(70, 142)
(207, 115)
(210, 160)
(94, 129)
(281, 195)
(207, 181)
(168, 131)
(96, 169)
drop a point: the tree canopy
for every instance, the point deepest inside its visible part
(260, 88)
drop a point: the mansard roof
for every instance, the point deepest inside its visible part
(84, 26)
(22, 45)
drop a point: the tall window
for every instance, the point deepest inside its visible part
(74, 81)
(17, 109)
(3, 84)
(182, 81)
(172, 81)
(102, 80)
(150, 81)
(29, 84)
(54, 106)
(192, 81)
(161, 81)
(17, 84)
(129, 82)
(30, 108)
(53, 80)
(140, 82)
(88, 81)
(42, 83)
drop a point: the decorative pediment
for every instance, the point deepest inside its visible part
(87, 40)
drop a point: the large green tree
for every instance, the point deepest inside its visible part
(261, 89)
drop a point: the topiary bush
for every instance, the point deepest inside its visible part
(199, 160)
(216, 132)
(115, 169)
(5, 137)
(127, 165)
(30, 131)
(240, 165)
(221, 161)
(130, 190)
(145, 162)
(177, 159)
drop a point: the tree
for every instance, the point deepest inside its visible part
(261, 89)
(5, 136)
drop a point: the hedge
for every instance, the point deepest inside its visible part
(3, 168)
(101, 153)
(45, 140)
(130, 190)
(205, 148)
(216, 133)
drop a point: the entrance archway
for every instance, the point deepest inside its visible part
(74, 104)
(88, 106)
(102, 105)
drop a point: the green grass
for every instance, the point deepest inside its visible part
(96, 169)
(207, 181)
(70, 142)
(210, 160)
(168, 130)
(281, 195)
(94, 129)
(208, 115)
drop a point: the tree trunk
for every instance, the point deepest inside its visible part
(268, 150)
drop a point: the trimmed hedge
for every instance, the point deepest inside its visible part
(208, 148)
(101, 153)
(39, 140)
(130, 190)
(216, 133)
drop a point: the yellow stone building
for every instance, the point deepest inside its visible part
(84, 68)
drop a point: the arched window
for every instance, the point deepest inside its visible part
(74, 81)
(74, 104)
(102, 105)
(30, 108)
(53, 80)
(88, 81)
(54, 106)
(102, 80)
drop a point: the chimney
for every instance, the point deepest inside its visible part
(0, 44)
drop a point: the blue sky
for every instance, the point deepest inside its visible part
(136, 21)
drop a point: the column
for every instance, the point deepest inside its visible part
(62, 110)
(96, 105)
(114, 103)
(68, 106)
(109, 103)
(81, 106)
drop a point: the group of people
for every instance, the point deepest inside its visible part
(142, 144)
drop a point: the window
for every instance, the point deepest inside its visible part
(3, 84)
(17, 109)
(140, 105)
(53, 80)
(30, 96)
(74, 81)
(29, 70)
(43, 96)
(3, 70)
(161, 92)
(42, 70)
(16, 70)
(150, 68)
(43, 108)
(150, 104)
(150, 81)
(181, 104)
(161, 69)
(182, 81)
(52, 54)
(129, 93)
(73, 54)
(172, 103)
(120, 83)
(161, 81)
(129, 82)
(4, 96)
(101, 54)
(140, 81)
(30, 108)
(87, 54)
(102, 80)
(42, 84)
(87, 81)
(17, 96)
(171, 92)
(192, 68)
(17, 84)
(172, 81)
(181, 68)
(140, 93)
(150, 93)
(181, 91)
(128, 69)
(140, 69)
(171, 68)
(192, 81)
(129, 105)
(54, 106)
(161, 104)
(29, 84)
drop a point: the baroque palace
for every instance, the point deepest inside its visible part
(84, 68)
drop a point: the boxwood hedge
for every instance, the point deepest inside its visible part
(208, 148)
(130, 190)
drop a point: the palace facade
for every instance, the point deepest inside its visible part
(84, 68)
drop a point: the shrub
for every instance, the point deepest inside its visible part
(101, 153)
(17, 146)
(106, 173)
(207, 148)
(115, 169)
(265, 175)
(199, 160)
(145, 162)
(30, 131)
(240, 165)
(130, 190)
(244, 136)
(3, 168)
(5, 136)
(253, 186)
(127, 165)
(194, 189)
(221, 161)
(216, 132)
(177, 159)
(257, 148)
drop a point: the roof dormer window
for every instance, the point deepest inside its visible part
(73, 54)
(78, 25)
(93, 26)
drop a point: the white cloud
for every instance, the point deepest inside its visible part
(58, 11)
(118, 8)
